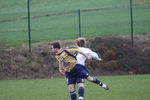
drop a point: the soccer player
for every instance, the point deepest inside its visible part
(81, 60)
(69, 66)
(81, 46)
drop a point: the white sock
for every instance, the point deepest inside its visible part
(104, 85)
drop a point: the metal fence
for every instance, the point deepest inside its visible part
(27, 25)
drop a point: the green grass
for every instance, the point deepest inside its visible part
(106, 22)
(134, 87)
(53, 5)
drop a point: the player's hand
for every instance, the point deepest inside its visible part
(100, 60)
(89, 58)
(62, 72)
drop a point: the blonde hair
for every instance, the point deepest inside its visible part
(81, 42)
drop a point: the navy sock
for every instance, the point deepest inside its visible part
(73, 95)
(96, 81)
(81, 91)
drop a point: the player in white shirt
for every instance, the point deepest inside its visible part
(81, 60)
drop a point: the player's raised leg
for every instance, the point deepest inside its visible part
(96, 81)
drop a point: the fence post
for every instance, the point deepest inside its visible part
(79, 23)
(29, 34)
(131, 16)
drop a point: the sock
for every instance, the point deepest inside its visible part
(81, 93)
(104, 85)
(73, 95)
(96, 81)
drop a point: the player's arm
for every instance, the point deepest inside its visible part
(61, 69)
(87, 56)
(91, 53)
(94, 55)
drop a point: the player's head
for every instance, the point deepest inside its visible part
(55, 46)
(81, 42)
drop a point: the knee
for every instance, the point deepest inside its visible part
(89, 78)
(71, 88)
(81, 85)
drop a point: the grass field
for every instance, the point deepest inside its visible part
(135, 87)
(106, 22)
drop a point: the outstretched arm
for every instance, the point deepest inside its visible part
(94, 55)
(91, 53)
(87, 56)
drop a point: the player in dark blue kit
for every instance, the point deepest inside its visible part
(69, 66)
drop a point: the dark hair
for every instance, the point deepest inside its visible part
(56, 45)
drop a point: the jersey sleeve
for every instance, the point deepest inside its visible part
(94, 55)
(74, 50)
(91, 53)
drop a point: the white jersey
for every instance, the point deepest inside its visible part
(81, 59)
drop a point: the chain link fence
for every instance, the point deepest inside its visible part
(113, 18)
